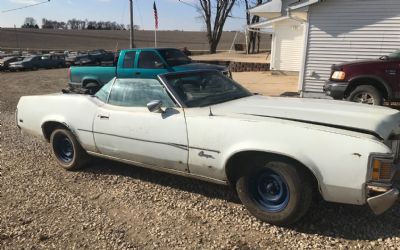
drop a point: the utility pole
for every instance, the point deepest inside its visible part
(132, 44)
(17, 38)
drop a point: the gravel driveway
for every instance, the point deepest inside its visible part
(114, 206)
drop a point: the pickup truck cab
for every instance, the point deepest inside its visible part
(138, 63)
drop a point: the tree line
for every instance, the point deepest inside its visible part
(75, 24)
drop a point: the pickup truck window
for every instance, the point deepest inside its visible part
(395, 55)
(129, 59)
(174, 57)
(138, 93)
(149, 60)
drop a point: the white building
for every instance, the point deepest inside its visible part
(311, 35)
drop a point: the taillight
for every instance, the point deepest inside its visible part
(69, 73)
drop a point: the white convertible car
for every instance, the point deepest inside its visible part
(276, 152)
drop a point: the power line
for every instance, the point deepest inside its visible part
(189, 4)
(24, 7)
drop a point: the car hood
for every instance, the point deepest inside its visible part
(359, 62)
(195, 66)
(379, 121)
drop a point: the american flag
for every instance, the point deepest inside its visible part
(155, 15)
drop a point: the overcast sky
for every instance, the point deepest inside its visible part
(173, 15)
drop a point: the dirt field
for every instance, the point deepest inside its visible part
(266, 84)
(114, 206)
(92, 39)
(235, 57)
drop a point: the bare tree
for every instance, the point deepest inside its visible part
(254, 37)
(215, 13)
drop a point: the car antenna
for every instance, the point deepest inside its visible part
(211, 113)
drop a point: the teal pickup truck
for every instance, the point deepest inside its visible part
(137, 63)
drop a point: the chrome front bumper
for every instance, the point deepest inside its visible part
(382, 202)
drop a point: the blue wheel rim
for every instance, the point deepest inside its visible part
(270, 191)
(64, 149)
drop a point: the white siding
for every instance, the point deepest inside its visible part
(347, 30)
(288, 37)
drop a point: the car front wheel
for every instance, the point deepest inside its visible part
(275, 192)
(68, 152)
(366, 94)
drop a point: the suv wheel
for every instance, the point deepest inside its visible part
(366, 94)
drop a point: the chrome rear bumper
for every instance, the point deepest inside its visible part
(382, 202)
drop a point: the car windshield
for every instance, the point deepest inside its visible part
(395, 55)
(204, 88)
(174, 57)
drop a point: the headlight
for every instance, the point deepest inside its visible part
(381, 168)
(338, 75)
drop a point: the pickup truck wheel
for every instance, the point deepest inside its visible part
(366, 94)
(68, 152)
(276, 193)
(93, 87)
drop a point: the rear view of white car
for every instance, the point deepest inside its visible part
(276, 152)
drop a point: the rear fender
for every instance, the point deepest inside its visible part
(90, 79)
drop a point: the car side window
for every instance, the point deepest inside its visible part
(138, 93)
(129, 59)
(149, 60)
(104, 92)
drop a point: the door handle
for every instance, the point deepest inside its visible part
(102, 116)
(137, 73)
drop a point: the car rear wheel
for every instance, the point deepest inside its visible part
(366, 94)
(68, 152)
(275, 192)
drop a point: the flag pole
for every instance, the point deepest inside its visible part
(155, 38)
(131, 31)
(155, 23)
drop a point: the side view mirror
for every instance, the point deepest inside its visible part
(155, 106)
(384, 58)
